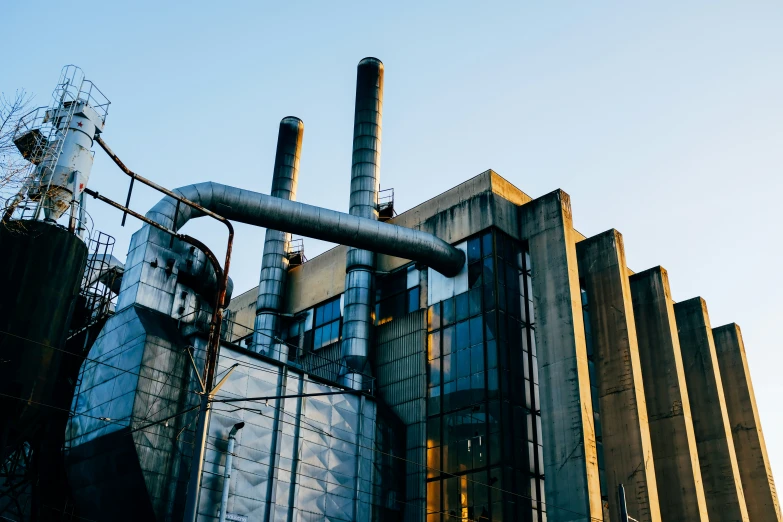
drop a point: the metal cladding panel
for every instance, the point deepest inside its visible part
(136, 375)
(317, 455)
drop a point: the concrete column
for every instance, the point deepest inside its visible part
(752, 460)
(628, 456)
(675, 456)
(715, 445)
(570, 459)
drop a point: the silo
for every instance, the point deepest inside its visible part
(41, 270)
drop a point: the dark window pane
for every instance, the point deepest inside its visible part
(486, 244)
(462, 306)
(319, 315)
(448, 392)
(435, 372)
(433, 401)
(492, 383)
(476, 330)
(490, 326)
(489, 271)
(448, 339)
(448, 311)
(317, 338)
(463, 363)
(501, 273)
(336, 308)
(336, 331)
(433, 432)
(463, 335)
(477, 383)
(512, 278)
(477, 359)
(433, 317)
(474, 274)
(400, 305)
(474, 249)
(492, 354)
(502, 326)
(413, 299)
(475, 301)
(502, 297)
(446, 368)
(489, 296)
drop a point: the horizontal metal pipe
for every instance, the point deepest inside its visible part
(262, 210)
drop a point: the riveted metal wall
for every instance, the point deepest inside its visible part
(400, 358)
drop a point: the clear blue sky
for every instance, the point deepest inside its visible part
(661, 119)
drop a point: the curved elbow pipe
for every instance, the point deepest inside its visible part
(262, 210)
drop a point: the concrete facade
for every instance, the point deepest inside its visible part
(676, 459)
(626, 434)
(570, 457)
(493, 396)
(715, 445)
(760, 494)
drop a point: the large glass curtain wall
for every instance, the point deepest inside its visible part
(484, 455)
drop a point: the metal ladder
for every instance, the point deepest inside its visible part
(49, 144)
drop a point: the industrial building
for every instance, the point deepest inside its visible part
(472, 358)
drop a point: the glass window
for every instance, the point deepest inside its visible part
(462, 306)
(463, 335)
(474, 249)
(463, 363)
(434, 372)
(476, 330)
(475, 301)
(477, 358)
(448, 311)
(413, 299)
(446, 368)
(486, 244)
(474, 275)
(448, 340)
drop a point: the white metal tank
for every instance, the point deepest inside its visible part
(58, 140)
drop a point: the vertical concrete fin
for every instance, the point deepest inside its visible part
(752, 459)
(570, 458)
(677, 471)
(715, 445)
(628, 455)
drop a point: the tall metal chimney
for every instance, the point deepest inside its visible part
(365, 180)
(274, 264)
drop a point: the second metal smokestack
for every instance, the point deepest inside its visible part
(274, 264)
(365, 181)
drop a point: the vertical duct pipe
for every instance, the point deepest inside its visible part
(365, 180)
(274, 264)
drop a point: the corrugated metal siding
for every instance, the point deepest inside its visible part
(400, 366)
